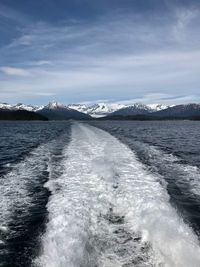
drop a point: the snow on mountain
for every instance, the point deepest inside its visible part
(55, 105)
(6, 106)
(18, 106)
(21, 106)
(186, 110)
(58, 111)
(79, 107)
(137, 108)
(103, 109)
(157, 107)
(134, 109)
(97, 110)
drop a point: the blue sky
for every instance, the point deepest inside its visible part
(90, 50)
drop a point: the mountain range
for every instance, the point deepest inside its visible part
(97, 110)
(58, 111)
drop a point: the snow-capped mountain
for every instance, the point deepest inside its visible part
(138, 109)
(134, 109)
(6, 106)
(97, 110)
(58, 111)
(186, 110)
(55, 105)
(19, 106)
(158, 107)
(103, 109)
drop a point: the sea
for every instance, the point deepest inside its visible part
(100, 193)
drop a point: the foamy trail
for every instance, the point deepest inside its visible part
(15, 185)
(171, 165)
(108, 210)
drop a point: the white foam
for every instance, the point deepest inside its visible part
(3, 228)
(102, 182)
(15, 185)
(185, 174)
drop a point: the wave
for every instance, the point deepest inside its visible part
(107, 209)
(15, 184)
(169, 165)
(22, 202)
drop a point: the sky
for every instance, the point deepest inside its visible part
(76, 51)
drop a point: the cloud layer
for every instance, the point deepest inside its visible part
(136, 53)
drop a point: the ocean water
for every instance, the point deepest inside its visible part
(100, 194)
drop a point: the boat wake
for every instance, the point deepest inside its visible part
(106, 209)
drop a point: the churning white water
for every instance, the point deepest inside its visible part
(14, 186)
(107, 210)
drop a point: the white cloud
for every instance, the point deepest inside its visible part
(116, 75)
(15, 71)
(41, 63)
(159, 98)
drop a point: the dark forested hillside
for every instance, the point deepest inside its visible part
(20, 115)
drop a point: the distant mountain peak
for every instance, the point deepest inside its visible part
(58, 111)
(18, 106)
(55, 105)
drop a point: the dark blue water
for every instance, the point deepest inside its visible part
(30, 153)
